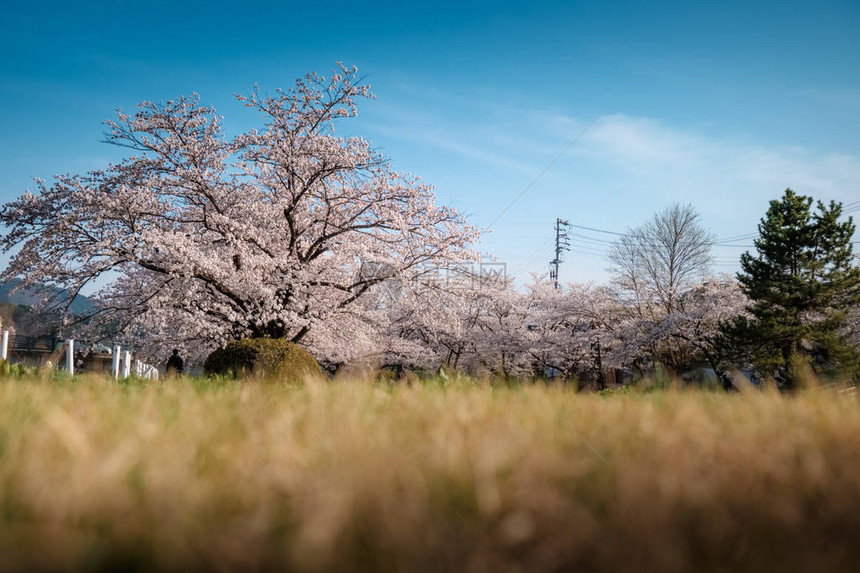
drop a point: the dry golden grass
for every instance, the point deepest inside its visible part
(353, 476)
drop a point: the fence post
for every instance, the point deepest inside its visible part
(114, 370)
(70, 356)
(126, 364)
(4, 346)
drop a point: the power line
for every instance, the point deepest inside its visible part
(530, 259)
(737, 238)
(599, 230)
(592, 251)
(730, 242)
(591, 239)
(722, 242)
(545, 169)
(587, 254)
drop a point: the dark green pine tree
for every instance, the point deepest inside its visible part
(802, 282)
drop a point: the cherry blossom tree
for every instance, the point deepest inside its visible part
(274, 232)
(571, 329)
(697, 322)
(503, 336)
(473, 324)
(689, 334)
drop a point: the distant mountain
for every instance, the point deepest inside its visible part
(31, 295)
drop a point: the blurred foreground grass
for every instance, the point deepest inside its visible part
(352, 476)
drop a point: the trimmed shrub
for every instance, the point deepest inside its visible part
(262, 357)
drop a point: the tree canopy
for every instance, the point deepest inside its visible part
(654, 263)
(803, 284)
(271, 232)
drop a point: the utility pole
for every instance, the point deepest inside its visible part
(562, 244)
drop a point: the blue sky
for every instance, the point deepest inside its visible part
(721, 104)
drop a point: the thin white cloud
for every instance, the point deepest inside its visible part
(454, 143)
(657, 154)
(646, 147)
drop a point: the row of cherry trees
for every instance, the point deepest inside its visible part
(580, 330)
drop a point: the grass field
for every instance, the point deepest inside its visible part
(353, 476)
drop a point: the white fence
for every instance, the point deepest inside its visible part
(123, 364)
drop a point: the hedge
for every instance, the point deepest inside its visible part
(263, 358)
